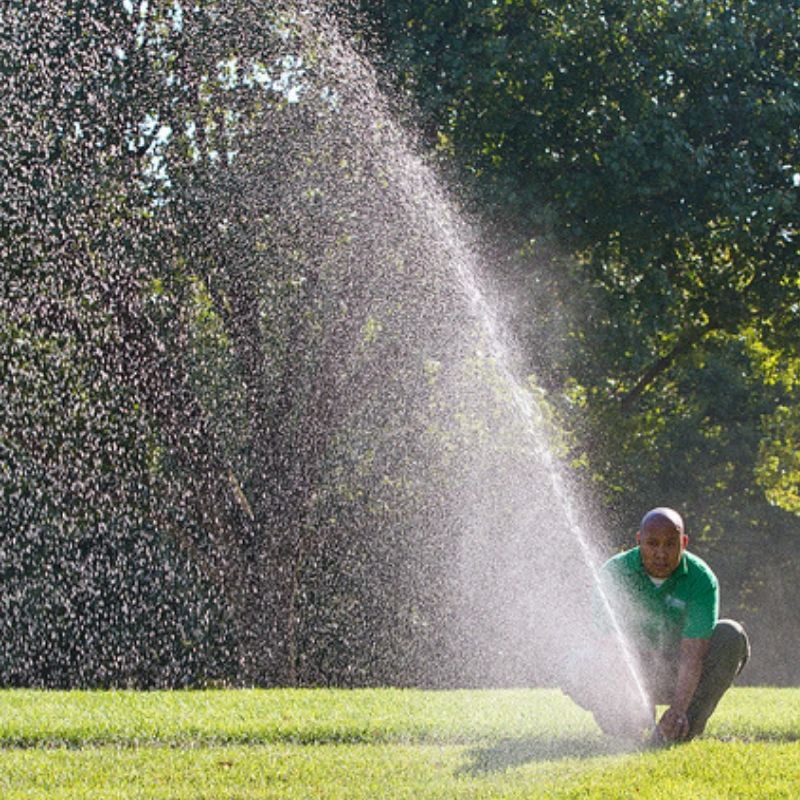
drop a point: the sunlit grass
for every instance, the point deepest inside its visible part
(378, 744)
(267, 716)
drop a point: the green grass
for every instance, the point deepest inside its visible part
(372, 744)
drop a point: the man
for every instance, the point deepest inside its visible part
(660, 642)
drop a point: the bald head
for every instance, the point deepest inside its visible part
(661, 518)
(661, 542)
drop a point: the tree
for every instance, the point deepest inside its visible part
(225, 343)
(658, 140)
(644, 156)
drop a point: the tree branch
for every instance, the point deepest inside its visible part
(685, 342)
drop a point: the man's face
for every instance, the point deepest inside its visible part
(661, 546)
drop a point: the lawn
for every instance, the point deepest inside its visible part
(387, 743)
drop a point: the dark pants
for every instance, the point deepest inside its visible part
(727, 654)
(623, 704)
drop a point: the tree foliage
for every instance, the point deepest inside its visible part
(655, 145)
(657, 139)
(205, 248)
(228, 329)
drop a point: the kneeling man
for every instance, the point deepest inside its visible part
(660, 641)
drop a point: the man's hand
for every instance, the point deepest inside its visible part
(673, 725)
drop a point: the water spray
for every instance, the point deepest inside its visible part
(524, 406)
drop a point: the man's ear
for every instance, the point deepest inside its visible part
(684, 540)
(638, 537)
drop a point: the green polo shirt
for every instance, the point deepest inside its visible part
(686, 605)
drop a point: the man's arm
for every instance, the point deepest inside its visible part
(674, 724)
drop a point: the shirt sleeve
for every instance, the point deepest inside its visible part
(703, 611)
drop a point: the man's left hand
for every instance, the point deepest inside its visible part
(674, 725)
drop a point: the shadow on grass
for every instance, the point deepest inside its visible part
(509, 753)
